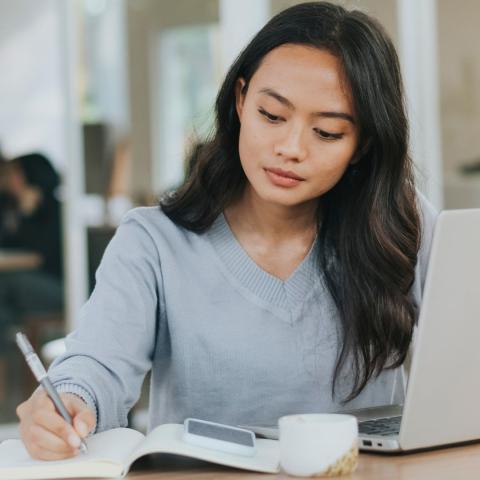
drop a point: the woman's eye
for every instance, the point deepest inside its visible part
(321, 133)
(269, 116)
(328, 135)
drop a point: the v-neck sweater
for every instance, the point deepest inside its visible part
(224, 340)
(281, 295)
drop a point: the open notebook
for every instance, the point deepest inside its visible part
(111, 454)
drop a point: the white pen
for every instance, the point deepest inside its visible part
(40, 374)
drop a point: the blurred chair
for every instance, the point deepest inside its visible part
(40, 330)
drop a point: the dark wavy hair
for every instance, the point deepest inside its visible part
(38, 172)
(370, 225)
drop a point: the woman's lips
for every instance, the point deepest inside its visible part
(283, 178)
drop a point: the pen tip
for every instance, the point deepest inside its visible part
(83, 447)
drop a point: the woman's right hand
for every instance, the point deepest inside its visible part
(45, 433)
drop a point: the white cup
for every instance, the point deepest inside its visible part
(318, 444)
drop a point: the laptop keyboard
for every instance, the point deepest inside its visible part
(380, 426)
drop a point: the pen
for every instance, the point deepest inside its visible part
(40, 374)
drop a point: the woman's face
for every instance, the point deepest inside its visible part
(297, 125)
(15, 182)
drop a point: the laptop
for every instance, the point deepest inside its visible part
(442, 404)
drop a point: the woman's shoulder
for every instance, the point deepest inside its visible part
(427, 209)
(154, 222)
(146, 234)
(428, 217)
(152, 214)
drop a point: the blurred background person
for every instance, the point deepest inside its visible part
(30, 224)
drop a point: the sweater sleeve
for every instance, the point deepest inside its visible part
(109, 354)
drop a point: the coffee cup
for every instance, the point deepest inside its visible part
(318, 444)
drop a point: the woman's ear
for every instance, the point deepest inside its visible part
(240, 92)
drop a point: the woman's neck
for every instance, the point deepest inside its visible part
(272, 222)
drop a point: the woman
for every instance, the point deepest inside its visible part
(285, 274)
(32, 182)
(30, 220)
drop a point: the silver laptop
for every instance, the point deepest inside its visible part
(442, 405)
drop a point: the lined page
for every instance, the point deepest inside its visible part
(110, 447)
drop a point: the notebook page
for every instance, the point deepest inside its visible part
(110, 447)
(114, 445)
(168, 439)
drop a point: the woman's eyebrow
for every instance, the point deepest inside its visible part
(289, 105)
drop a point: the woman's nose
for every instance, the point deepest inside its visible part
(292, 146)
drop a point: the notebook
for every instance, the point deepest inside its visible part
(112, 453)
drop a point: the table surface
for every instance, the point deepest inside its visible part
(453, 463)
(18, 260)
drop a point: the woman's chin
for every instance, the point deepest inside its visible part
(283, 199)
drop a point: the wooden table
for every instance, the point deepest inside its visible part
(11, 260)
(454, 463)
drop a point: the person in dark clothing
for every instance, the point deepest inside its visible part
(30, 220)
(31, 181)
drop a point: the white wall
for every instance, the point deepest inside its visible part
(459, 62)
(146, 20)
(39, 99)
(105, 55)
(32, 109)
(418, 51)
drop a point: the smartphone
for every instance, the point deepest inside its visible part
(218, 436)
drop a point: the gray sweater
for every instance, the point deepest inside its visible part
(225, 340)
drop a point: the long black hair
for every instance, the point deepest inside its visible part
(370, 226)
(38, 172)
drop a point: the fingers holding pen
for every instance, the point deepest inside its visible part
(53, 423)
(51, 446)
(46, 423)
(42, 443)
(83, 417)
(45, 433)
